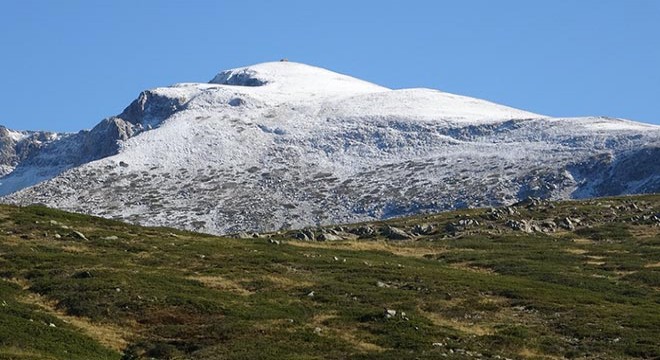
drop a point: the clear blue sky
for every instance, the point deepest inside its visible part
(65, 65)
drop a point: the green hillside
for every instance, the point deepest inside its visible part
(533, 281)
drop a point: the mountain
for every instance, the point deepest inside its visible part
(17, 146)
(581, 283)
(286, 145)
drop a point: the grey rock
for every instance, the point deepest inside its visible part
(305, 235)
(468, 222)
(567, 224)
(389, 313)
(301, 236)
(394, 233)
(423, 229)
(530, 202)
(329, 237)
(82, 275)
(547, 226)
(237, 102)
(78, 235)
(521, 225)
(310, 234)
(363, 231)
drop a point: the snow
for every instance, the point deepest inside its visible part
(16, 135)
(343, 96)
(424, 104)
(26, 178)
(295, 78)
(283, 144)
(609, 124)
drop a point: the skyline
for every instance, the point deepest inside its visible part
(69, 65)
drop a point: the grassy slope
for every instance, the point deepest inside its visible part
(482, 290)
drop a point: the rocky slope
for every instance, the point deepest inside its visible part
(17, 146)
(286, 145)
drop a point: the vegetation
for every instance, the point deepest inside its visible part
(469, 284)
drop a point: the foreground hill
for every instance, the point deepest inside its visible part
(285, 145)
(536, 280)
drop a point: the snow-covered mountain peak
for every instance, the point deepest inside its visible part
(282, 145)
(294, 77)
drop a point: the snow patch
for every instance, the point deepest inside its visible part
(16, 135)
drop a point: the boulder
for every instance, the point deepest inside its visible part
(567, 224)
(389, 313)
(82, 275)
(531, 202)
(394, 233)
(329, 237)
(521, 225)
(309, 233)
(548, 226)
(78, 235)
(363, 231)
(381, 284)
(423, 229)
(301, 235)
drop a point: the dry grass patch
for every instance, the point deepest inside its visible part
(349, 335)
(528, 353)
(622, 273)
(644, 232)
(576, 251)
(220, 283)
(24, 284)
(108, 335)
(11, 240)
(17, 353)
(595, 263)
(494, 299)
(467, 328)
(76, 249)
(322, 318)
(284, 282)
(595, 260)
(469, 267)
(401, 248)
(360, 344)
(583, 241)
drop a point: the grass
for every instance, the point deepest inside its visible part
(483, 291)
